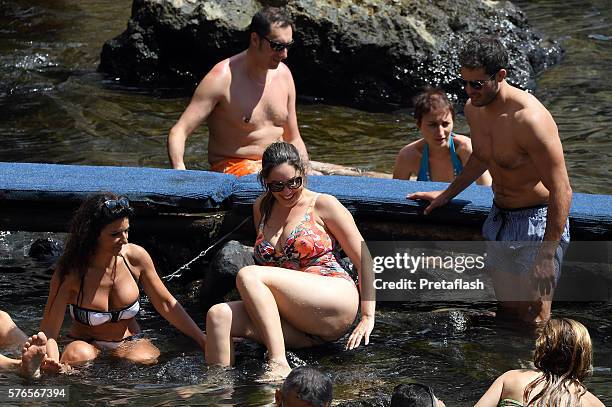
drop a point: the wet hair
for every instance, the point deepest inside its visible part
(310, 385)
(87, 223)
(563, 353)
(431, 99)
(413, 395)
(262, 21)
(487, 53)
(276, 154)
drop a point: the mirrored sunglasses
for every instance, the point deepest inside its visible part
(278, 186)
(278, 46)
(477, 84)
(117, 205)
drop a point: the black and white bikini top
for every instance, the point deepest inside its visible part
(94, 317)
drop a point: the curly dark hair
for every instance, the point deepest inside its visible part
(87, 223)
(487, 53)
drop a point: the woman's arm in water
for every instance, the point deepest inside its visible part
(55, 309)
(164, 302)
(339, 221)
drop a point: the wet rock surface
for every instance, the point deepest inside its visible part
(46, 249)
(368, 53)
(221, 276)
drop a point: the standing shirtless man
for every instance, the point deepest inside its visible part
(248, 101)
(516, 139)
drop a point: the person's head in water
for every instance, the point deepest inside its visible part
(564, 354)
(414, 395)
(305, 386)
(283, 176)
(434, 115)
(99, 224)
(271, 35)
(483, 61)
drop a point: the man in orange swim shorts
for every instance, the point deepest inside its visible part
(247, 101)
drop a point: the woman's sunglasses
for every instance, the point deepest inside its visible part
(278, 46)
(278, 186)
(117, 205)
(476, 85)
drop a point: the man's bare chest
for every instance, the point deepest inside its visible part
(497, 146)
(267, 106)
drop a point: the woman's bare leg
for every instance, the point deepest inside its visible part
(78, 353)
(10, 334)
(9, 365)
(140, 351)
(308, 302)
(227, 320)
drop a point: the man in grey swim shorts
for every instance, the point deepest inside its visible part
(515, 137)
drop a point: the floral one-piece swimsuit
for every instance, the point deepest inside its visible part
(308, 248)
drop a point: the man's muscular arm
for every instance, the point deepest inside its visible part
(205, 98)
(291, 132)
(540, 139)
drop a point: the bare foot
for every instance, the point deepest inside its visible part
(276, 371)
(49, 365)
(32, 355)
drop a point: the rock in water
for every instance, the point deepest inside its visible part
(221, 277)
(374, 54)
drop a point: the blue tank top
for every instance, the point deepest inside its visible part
(424, 174)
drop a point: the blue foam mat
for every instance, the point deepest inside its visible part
(182, 189)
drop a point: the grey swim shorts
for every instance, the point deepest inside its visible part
(513, 238)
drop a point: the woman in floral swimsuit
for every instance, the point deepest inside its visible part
(298, 295)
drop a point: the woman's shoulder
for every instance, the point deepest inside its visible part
(462, 142)
(590, 400)
(518, 378)
(329, 207)
(412, 150)
(134, 253)
(325, 201)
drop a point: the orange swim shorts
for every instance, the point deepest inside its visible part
(237, 166)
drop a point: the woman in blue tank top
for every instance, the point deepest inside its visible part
(440, 155)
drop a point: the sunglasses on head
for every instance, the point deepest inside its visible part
(117, 205)
(477, 84)
(278, 46)
(278, 186)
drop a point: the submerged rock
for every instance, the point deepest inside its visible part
(221, 277)
(367, 53)
(45, 249)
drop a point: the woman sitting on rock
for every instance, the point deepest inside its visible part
(298, 295)
(98, 278)
(562, 360)
(441, 154)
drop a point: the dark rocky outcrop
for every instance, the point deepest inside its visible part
(45, 249)
(368, 53)
(220, 279)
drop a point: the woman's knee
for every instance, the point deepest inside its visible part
(5, 319)
(78, 352)
(219, 316)
(142, 352)
(248, 276)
